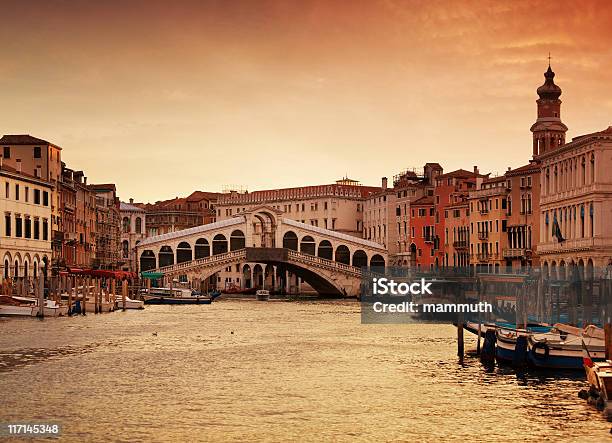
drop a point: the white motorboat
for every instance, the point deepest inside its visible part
(51, 307)
(129, 303)
(262, 294)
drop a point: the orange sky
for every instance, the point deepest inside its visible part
(164, 97)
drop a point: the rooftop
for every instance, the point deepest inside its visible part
(23, 139)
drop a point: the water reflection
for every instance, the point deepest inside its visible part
(239, 371)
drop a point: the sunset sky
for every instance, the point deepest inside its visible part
(166, 97)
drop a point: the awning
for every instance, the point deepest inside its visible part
(151, 275)
(105, 273)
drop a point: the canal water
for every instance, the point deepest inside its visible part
(246, 370)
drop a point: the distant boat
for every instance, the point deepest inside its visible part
(262, 294)
(174, 296)
(28, 307)
(562, 347)
(129, 303)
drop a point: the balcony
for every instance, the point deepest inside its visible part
(515, 253)
(483, 256)
(483, 211)
(483, 235)
(429, 239)
(461, 244)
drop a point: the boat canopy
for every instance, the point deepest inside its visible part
(101, 273)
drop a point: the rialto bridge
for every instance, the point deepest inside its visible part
(267, 249)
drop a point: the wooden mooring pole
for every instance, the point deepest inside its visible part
(41, 297)
(124, 291)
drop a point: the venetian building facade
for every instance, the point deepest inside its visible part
(338, 206)
(522, 210)
(488, 219)
(575, 191)
(133, 231)
(25, 224)
(107, 227)
(40, 159)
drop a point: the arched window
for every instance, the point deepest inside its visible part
(290, 241)
(202, 248)
(307, 245)
(592, 168)
(377, 261)
(6, 268)
(183, 252)
(360, 259)
(237, 240)
(166, 256)
(325, 250)
(343, 255)
(126, 224)
(219, 244)
(147, 261)
(125, 249)
(138, 225)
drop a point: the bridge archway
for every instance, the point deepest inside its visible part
(307, 245)
(343, 255)
(202, 248)
(183, 252)
(219, 244)
(266, 228)
(326, 250)
(147, 260)
(377, 261)
(360, 259)
(290, 240)
(166, 256)
(237, 240)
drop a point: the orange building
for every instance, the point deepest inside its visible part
(422, 232)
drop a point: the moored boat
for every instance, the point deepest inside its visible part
(562, 347)
(262, 294)
(129, 303)
(168, 296)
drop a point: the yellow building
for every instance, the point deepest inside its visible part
(25, 230)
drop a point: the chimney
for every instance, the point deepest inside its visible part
(509, 169)
(19, 165)
(384, 183)
(476, 171)
(131, 201)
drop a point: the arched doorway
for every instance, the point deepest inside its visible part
(246, 276)
(183, 252)
(202, 248)
(360, 259)
(237, 240)
(219, 244)
(326, 250)
(147, 260)
(307, 245)
(258, 276)
(166, 256)
(290, 241)
(343, 255)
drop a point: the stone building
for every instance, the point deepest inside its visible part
(40, 159)
(133, 231)
(575, 193)
(337, 206)
(25, 223)
(79, 220)
(177, 214)
(522, 210)
(108, 234)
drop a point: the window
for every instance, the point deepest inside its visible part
(18, 226)
(27, 194)
(45, 198)
(16, 192)
(37, 196)
(7, 225)
(36, 151)
(6, 190)
(36, 229)
(6, 153)
(45, 229)
(28, 228)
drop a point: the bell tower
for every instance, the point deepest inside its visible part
(548, 130)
